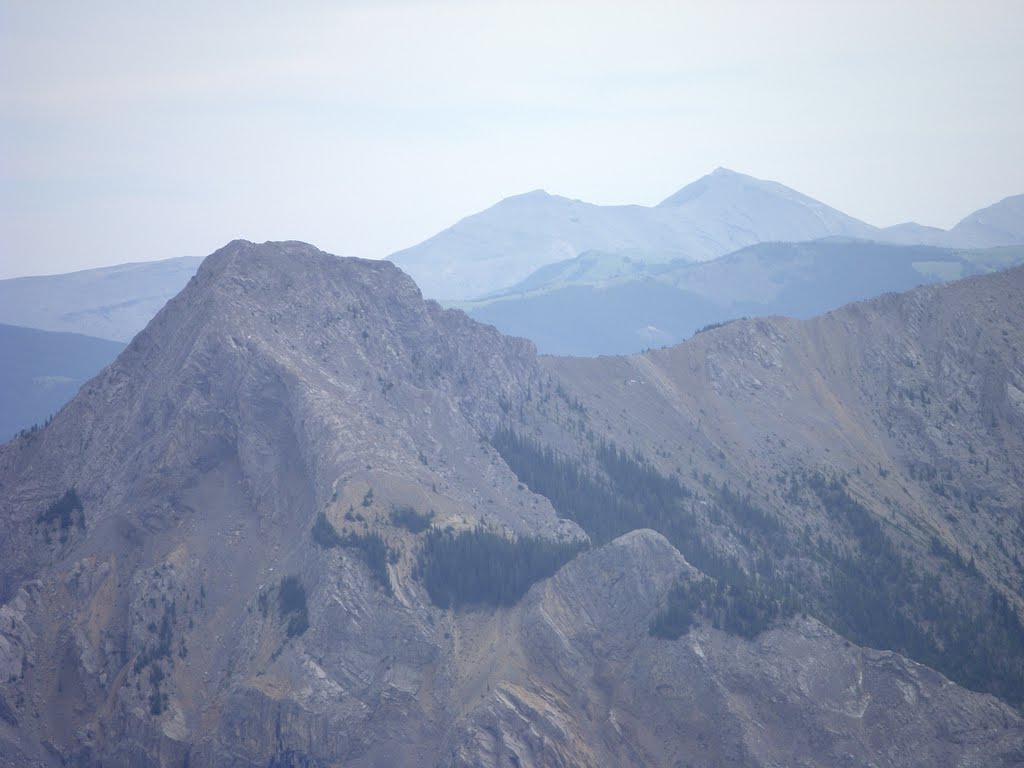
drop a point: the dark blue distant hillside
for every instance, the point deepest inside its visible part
(664, 304)
(41, 370)
(589, 321)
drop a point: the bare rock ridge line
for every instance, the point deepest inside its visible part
(307, 518)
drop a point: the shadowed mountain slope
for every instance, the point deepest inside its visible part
(41, 371)
(599, 304)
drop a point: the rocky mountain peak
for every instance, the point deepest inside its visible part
(300, 374)
(299, 522)
(275, 276)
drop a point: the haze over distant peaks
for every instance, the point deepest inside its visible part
(999, 224)
(42, 370)
(490, 251)
(600, 303)
(741, 210)
(724, 189)
(109, 302)
(505, 243)
(714, 215)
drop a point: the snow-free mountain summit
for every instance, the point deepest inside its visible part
(714, 215)
(307, 518)
(490, 251)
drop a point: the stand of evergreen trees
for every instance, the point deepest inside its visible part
(630, 495)
(633, 495)
(66, 510)
(375, 554)
(325, 534)
(877, 597)
(868, 592)
(478, 567)
(291, 605)
(739, 610)
(413, 521)
(372, 547)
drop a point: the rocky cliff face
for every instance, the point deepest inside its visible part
(211, 556)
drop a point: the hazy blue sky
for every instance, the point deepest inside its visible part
(136, 131)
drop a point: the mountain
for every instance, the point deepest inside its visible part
(181, 484)
(505, 243)
(42, 371)
(911, 233)
(533, 243)
(515, 241)
(110, 303)
(520, 238)
(712, 216)
(871, 454)
(639, 306)
(307, 518)
(735, 210)
(999, 224)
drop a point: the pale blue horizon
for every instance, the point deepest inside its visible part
(132, 133)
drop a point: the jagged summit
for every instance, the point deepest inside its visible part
(282, 386)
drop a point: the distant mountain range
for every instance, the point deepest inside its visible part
(718, 214)
(712, 216)
(109, 302)
(569, 308)
(585, 279)
(999, 224)
(534, 244)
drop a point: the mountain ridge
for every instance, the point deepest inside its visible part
(485, 251)
(724, 211)
(594, 304)
(260, 475)
(1001, 223)
(106, 302)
